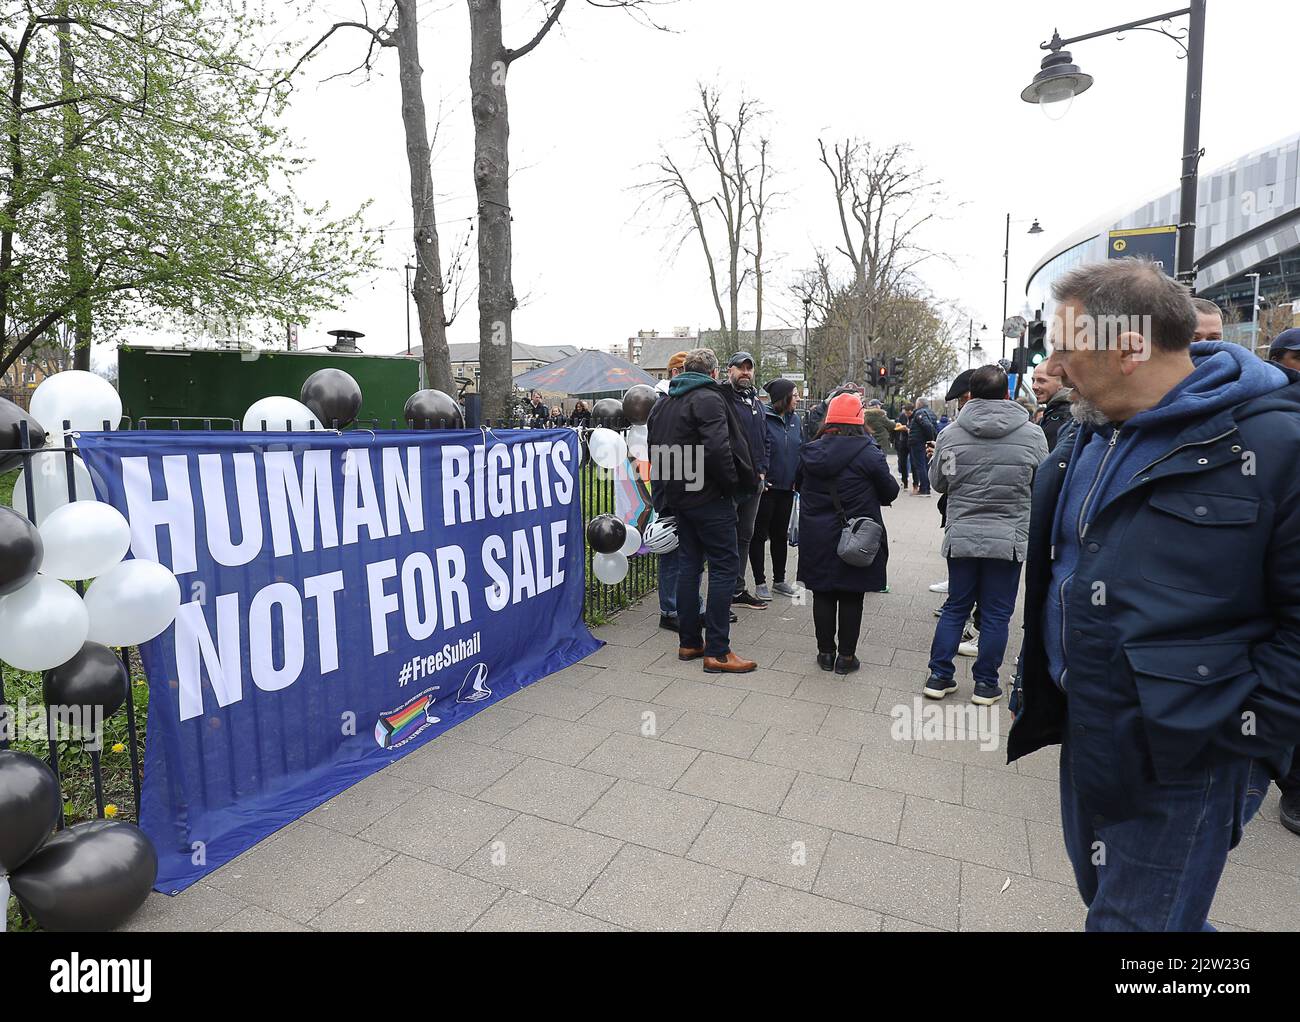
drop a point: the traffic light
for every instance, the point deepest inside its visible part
(898, 371)
(1020, 363)
(882, 379)
(871, 370)
(1036, 344)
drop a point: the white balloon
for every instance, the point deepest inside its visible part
(610, 568)
(630, 545)
(50, 483)
(43, 625)
(638, 442)
(132, 603)
(83, 540)
(276, 412)
(608, 449)
(85, 400)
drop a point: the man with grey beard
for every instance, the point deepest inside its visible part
(1164, 553)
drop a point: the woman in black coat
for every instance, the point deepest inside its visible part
(844, 455)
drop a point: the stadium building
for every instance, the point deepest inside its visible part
(1247, 222)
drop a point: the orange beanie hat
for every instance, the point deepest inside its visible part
(845, 410)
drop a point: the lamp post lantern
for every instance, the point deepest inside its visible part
(1059, 80)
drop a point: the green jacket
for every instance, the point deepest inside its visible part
(881, 426)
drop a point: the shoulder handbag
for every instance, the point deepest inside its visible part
(859, 537)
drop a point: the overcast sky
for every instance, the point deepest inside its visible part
(594, 103)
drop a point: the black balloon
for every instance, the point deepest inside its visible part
(606, 534)
(432, 409)
(29, 807)
(94, 677)
(637, 403)
(21, 551)
(10, 440)
(608, 412)
(333, 396)
(91, 876)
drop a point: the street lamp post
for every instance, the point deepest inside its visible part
(1006, 271)
(1254, 317)
(973, 345)
(807, 383)
(408, 269)
(1060, 80)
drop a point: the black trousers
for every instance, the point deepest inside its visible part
(904, 462)
(1291, 782)
(772, 523)
(842, 609)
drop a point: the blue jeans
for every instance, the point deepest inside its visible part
(706, 533)
(668, 584)
(920, 468)
(1158, 870)
(994, 585)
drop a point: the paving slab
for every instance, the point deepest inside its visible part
(647, 890)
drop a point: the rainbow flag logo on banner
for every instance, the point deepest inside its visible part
(396, 728)
(631, 496)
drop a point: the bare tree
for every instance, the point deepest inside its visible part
(724, 205)
(883, 201)
(400, 30)
(489, 66)
(911, 324)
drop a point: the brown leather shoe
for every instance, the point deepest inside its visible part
(690, 654)
(729, 664)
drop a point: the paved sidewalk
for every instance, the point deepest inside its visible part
(633, 791)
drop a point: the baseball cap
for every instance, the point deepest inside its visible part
(1287, 340)
(740, 358)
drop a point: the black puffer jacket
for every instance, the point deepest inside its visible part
(1056, 415)
(699, 449)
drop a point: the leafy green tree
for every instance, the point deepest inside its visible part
(147, 176)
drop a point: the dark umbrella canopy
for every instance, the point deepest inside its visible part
(585, 374)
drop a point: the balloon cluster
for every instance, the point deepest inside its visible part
(44, 623)
(613, 541)
(609, 448)
(91, 876)
(330, 398)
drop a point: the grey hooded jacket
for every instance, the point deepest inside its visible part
(985, 461)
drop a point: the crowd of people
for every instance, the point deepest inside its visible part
(1148, 493)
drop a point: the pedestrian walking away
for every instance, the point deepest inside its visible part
(845, 466)
(922, 429)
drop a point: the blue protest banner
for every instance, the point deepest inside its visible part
(345, 599)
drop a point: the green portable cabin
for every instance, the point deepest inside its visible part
(162, 384)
